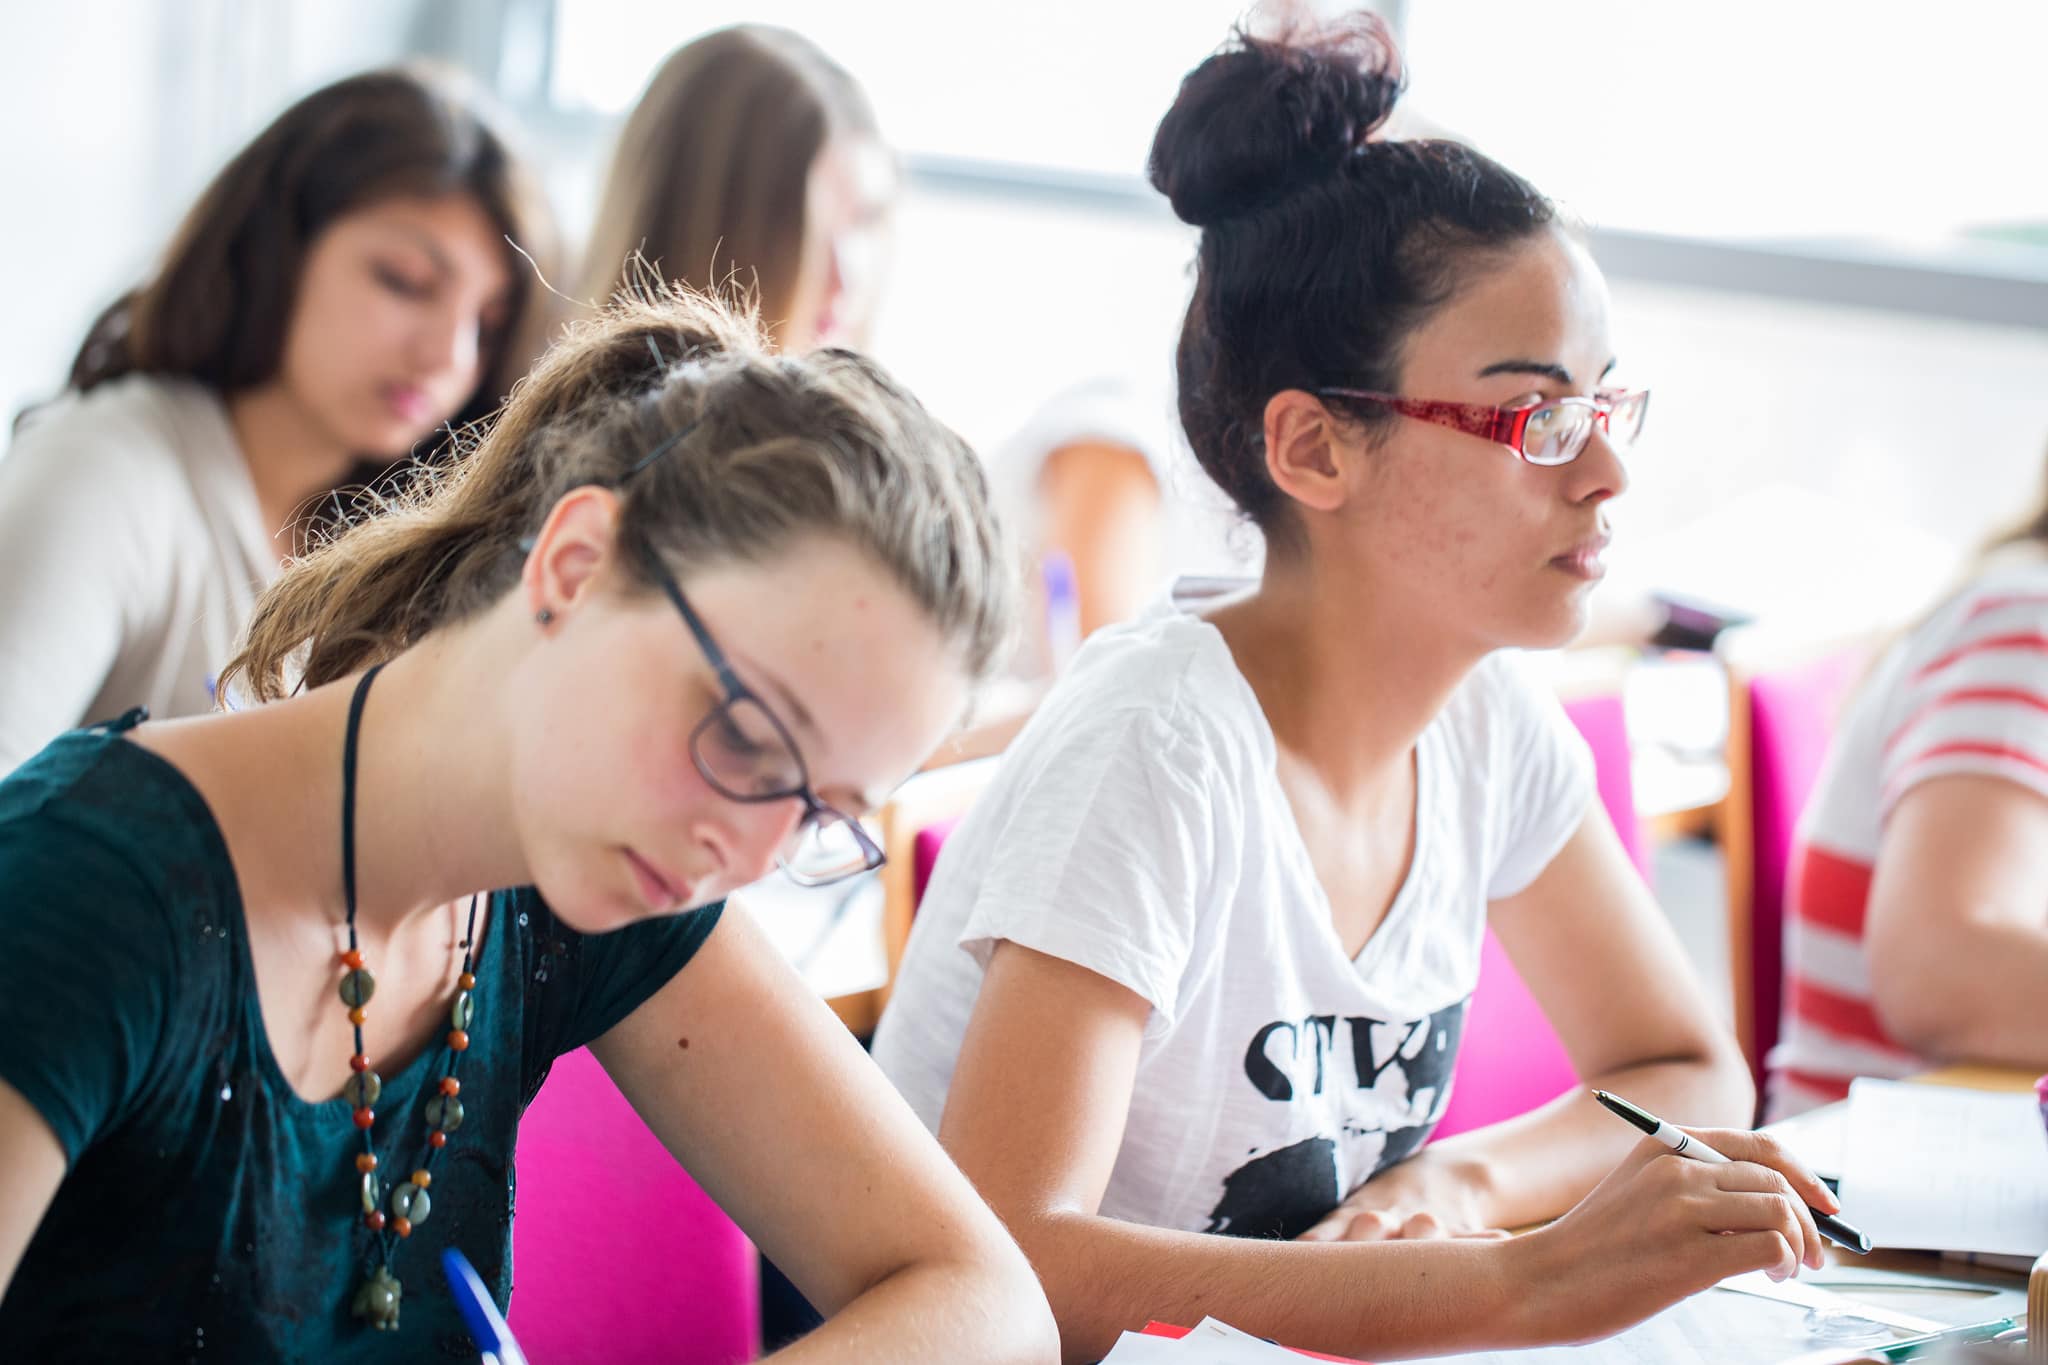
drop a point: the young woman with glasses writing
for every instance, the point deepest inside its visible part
(346, 286)
(263, 1048)
(1223, 907)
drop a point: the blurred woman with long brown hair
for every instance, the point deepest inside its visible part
(348, 285)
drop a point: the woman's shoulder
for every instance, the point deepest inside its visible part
(137, 427)
(1102, 411)
(1166, 677)
(94, 828)
(92, 787)
(1992, 628)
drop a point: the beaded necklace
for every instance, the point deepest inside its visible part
(377, 1298)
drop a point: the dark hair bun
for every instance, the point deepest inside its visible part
(1264, 116)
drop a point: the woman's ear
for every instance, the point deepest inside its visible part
(577, 541)
(1303, 450)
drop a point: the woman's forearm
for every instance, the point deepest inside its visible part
(1534, 1167)
(937, 1313)
(1377, 1300)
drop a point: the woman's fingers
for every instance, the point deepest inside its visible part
(1764, 1150)
(1745, 1176)
(1423, 1227)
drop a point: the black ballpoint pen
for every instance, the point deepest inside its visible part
(1686, 1145)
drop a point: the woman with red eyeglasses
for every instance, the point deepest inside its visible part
(1222, 910)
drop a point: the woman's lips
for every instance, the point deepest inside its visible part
(659, 892)
(1583, 560)
(408, 403)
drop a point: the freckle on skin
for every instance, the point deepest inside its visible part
(683, 1043)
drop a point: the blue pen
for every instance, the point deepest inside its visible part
(486, 1325)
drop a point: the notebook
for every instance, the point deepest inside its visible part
(1937, 1168)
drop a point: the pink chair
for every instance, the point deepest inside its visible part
(1511, 1060)
(1784, 717)
(617, 1257)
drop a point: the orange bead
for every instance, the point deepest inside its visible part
(402, 1226)
(359, 1062)
(352, 959)
(365, 1162)
(365, 1117)
(457, 1040)
(466, 982)
(437, 1138)
(450, 1086)
(375, 1221)
(356, 1016)
(422, 1178)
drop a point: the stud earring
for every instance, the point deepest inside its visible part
(545, 616)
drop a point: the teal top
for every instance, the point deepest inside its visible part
(209, 1212)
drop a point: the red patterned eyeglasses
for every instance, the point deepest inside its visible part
(1549, 433)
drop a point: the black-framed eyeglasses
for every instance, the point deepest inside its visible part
(747, 754)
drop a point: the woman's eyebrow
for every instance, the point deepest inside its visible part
(1544, 368)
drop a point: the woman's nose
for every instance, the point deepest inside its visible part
(764, 832)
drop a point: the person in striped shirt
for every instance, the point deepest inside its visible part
(1917, 930)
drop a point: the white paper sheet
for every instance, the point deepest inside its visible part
(1209, 1343)
(1938, 1168)
(1706, 1329)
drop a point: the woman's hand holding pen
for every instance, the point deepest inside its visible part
(1659, 1228)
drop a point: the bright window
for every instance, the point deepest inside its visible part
(1070, 85)
(1757, 119)
(1753, 118)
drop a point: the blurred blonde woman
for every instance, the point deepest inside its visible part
(1918, 931)
(753, 163)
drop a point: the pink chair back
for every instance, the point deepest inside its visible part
(1511, 1060)
(925, 853)
(617, 1257)
(1792, 714)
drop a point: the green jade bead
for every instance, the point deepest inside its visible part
(371, 1192)
(357, 987)
(444, 1112)
(462, 1011)
(377, 1300)
(362, 1089)
(410, 1201)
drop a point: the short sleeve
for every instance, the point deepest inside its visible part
(1975, 698)
(614, 974)
(1545, 781)
(86, 978)
(1106, 855)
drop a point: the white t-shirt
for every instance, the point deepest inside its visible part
(132, 550)
(1138, 828)
(1967, 692)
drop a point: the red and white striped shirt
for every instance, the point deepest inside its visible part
(1965, 693)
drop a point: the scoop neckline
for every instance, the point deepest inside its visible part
(398, 1088)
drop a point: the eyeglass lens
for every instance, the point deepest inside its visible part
(743, 753)
(826, 850)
